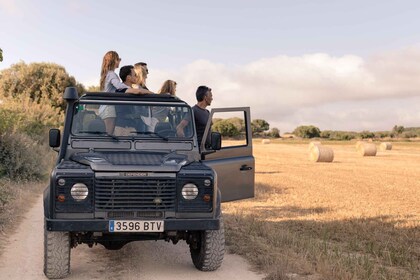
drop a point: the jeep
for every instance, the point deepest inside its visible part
(139, 180)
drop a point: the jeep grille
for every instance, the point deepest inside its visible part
(137, 194)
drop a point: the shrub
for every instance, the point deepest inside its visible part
(275, 132)
(23, 158)
(307, 131)
(366, 134)
(226, 128)
(28, 117)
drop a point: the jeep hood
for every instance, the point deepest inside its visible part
(132, 161)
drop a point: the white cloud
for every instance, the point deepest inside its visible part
(347, 92)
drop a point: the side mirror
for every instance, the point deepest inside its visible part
(216, 141)
(54, 138)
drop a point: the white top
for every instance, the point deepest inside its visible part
(112, 82)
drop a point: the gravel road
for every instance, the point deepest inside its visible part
(22, 258)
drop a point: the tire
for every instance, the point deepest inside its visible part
(207, 254)
(56, 254)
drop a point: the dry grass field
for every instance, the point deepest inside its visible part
(355, 218)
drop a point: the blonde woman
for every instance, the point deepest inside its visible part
(168, 87)
(141, 72)
(161, 113)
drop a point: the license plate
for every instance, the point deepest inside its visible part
(135, 226)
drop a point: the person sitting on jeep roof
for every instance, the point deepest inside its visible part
(201, 114)
(141, 71)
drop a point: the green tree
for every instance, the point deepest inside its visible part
(275, 132)
(398, 129)
(1, 55)
(307, 131)
(367, 134)
(226, 128)
(259, 125)
(41, 82)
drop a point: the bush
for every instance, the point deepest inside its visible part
(275, 132)
(307, 131)
(366, 134)
(29, 117)
(226, 128)
(23, 158)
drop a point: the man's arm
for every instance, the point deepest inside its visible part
(138, 91)
(180, 128)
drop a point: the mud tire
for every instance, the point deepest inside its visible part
(208, 253)
(56, 254)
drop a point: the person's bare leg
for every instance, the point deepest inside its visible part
(109, 125)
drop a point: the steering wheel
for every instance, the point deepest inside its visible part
(167, 132)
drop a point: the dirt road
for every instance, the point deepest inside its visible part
(22, 258)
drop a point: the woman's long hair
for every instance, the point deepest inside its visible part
(168, 86)
(109, 63)
(141, 75)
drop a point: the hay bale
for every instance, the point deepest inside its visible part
(385, 146)
(321, 154)
(313, 144)
(358, 144)
(266, 141)
(367, 150)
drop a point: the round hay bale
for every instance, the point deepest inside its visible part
(385, 146)
(358, 144)
(313, 144)
(266, 141)
(321, 154)
(367, 150)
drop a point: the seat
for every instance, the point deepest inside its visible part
(97, 125)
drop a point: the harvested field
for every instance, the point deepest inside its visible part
(355, 218)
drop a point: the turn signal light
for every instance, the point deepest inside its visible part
(61, 198)
(206, 198)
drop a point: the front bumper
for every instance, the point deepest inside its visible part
(102, 225)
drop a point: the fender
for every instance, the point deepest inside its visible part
(47, 202)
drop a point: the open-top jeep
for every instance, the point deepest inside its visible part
(142, 181)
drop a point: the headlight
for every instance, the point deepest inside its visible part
(189, 191)
(79, 191)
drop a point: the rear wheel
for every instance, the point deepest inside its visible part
(56, 254)
(209, 249)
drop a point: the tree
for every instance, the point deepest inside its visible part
(398, 129)
(1, 55)
(259, 125)
(275, 132)
(226, 128)
(367, 134)
(307, 131)
(41, 82)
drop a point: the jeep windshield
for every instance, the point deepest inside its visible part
(116, 120)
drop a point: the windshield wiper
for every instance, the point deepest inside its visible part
(150, 133)
(96, 132)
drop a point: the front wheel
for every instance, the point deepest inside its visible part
(208, 252)
(56, 254)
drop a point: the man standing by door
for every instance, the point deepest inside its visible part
(201, 114)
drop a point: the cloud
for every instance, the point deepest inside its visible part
(333, 92)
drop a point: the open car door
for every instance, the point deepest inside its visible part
(234, 162)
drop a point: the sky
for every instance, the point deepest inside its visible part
(338, 65)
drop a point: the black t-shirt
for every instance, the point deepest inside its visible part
(201, 117)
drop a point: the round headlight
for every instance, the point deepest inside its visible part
(79, 191)
(189, 191)
(61, 182)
